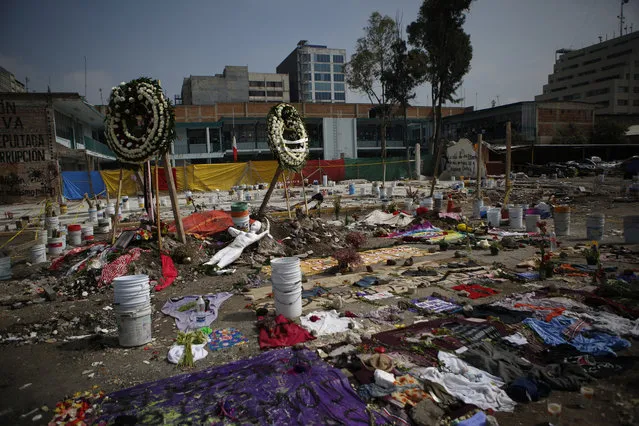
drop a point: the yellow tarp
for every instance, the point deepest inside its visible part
(260, 172)
(209, 177)
(110, 178)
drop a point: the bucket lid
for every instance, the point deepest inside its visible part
(74, 228)
(239, 207)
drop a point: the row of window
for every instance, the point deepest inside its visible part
(597, 92)
(326, 67)
(338, 59)
(266, 84)
(326, 96)
(322, 77)
(339, 87)
(274, 94)
(595, 60)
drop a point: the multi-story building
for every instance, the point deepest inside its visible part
(235, 84)
(606, 74)
(8, 82)
(316, 73)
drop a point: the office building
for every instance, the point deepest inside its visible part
(9, 84)
(316, 73)
(605, 74)
(235, 84)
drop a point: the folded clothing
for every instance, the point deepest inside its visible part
(476, 291)
(281, 332)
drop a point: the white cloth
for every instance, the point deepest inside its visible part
(608, 322)
(383, 378)
(378, 217)
(329, 323)
(470, 384)
(233, 251)
(517, 339)
(176, 352)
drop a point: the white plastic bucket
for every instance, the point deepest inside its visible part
(595, 226)
(55, 246)
(104, 226)
(562, 221)
(516, 217)
(325, 180)
(289, 303)
(408, 205)
(131, 291)
(438, 202)
(75, 235)
(141, 202)
(125, 204)
(43, 236)
(477, 208)
(531, 222)
(110, 210)
(51, 224)
(87, 233)
(134, 326)
(286, 273)
(5, 269)
(93, 215)
(317, 189)
(427, 203)
(631, 229)
(382, 193)
(494, 217)
(38, 254)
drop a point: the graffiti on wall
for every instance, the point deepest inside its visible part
(27, 167)
(461, 159)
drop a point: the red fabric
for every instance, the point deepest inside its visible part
(164, 186)
(285, 333)
(60, 260)
(119, 266)
(554, 312)
(315, 169)
(205, 223)
(169, 273)
(476, 291)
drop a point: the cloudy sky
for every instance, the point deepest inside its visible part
(513, 40)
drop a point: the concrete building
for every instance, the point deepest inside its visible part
(235, 84)
(8, 82)
(532, 123)
(316, 73)
(42, 135)
(205, 133)
(605, 74)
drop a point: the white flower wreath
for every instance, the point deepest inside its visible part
(287, 136)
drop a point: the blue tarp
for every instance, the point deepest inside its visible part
(76, 184)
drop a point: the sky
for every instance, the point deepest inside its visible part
(513, 40)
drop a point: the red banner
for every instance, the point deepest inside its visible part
(315, 169)
(162, 183)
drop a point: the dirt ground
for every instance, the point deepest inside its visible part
(41, 372)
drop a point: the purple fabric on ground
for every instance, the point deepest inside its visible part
(186, 320)
(278, 387)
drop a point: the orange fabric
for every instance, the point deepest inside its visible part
(554, 312)
(205, 223)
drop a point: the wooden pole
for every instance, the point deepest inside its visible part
(267, 196)
(436, 168)
(117, 209)
(157, 202)
(508, 162)
(304, 191)
(288, 203)
(479, 161)
(168, 172)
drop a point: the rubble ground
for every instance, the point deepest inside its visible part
(59, 336)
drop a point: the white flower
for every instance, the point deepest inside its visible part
(126, 111)
(139, 97)
(131, 99)
(123, 84)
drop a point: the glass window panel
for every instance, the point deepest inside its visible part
(323, 96)
(338, 77)
(338, 58)
(338, 68)
(322, 58)
(340, 96)
(339, 87)
(323, 86)
(322, 67)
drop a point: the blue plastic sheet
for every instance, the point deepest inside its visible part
(76, 184)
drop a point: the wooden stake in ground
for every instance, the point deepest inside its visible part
(508, 162)
(117, 209)
(157, 202)
(438, 158)
(479, 161)
(267, 196)
(304, 191)
(288, 203)
(168, 172)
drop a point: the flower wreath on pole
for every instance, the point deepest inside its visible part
(287, 136)
(140, 121)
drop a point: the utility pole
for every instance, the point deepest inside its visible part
(621, 18)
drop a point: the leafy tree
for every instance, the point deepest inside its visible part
(373, 59)
(438, 32)
(608, 131)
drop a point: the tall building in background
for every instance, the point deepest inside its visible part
(606, 74)
(316, 73)
(9, 84)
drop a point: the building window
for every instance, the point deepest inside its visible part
(559, 89)
(636, 76)
(256, 84)
(306, 67)
(622, 89)
(323, 96)
(568, 77)
(338, 59)
(322, 67)
(623, 53)
(257, 93)
(338, 68)
(592, 61)
(307, 87)
(585, 83)
(63, 126)
(322, 58)
(586, 73)
(597, 92)
(636, 89)
(572, 97)
(307, 76)
(612, 77)
(338, 87)
(617, 65)
(273, 84)
(275, 94)
(570, 67)
(635, 102)
(340, 96)
(308, 96)
(306, 57)
(622, 102)
(322, 77)
(338, 77)
(323, 86)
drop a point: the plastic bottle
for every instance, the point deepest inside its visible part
(200, 315)
(553, 241)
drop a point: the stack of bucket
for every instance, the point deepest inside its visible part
(240, 216)
(132, 302)
(38, 254)
(75, 235)
(51, 223)
(595, 226)
(93, 215)
(286, 277)
(532, 218)
(562, 220)
(87, 233)
(5, 268)
(516, 217)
